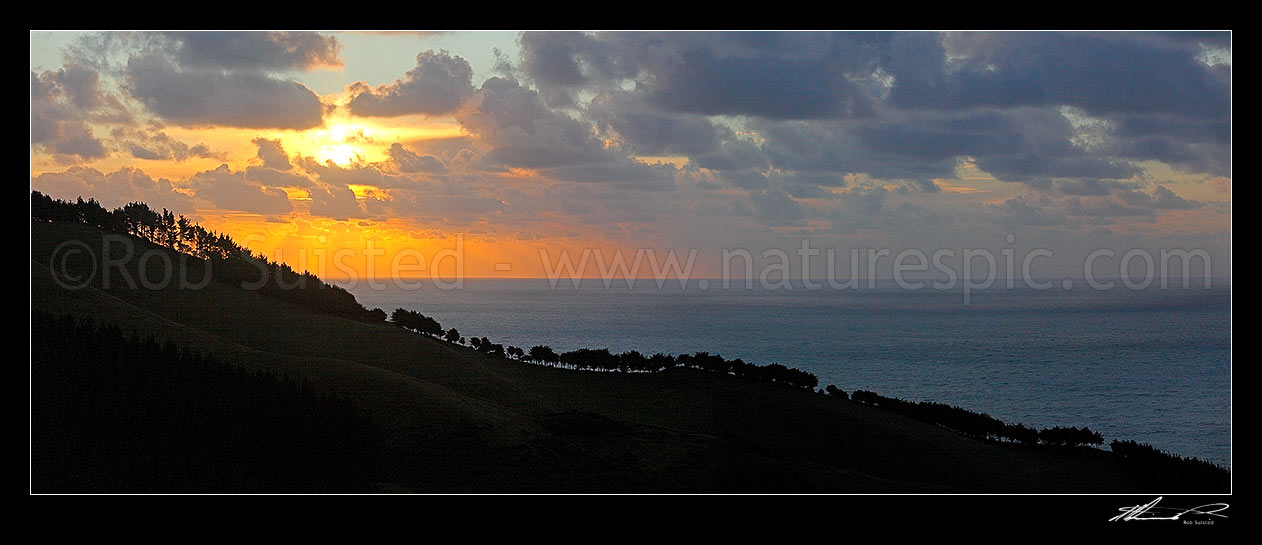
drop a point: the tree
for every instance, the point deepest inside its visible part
(453, 335)
(834, 391)
(1070, 436)
(399, 317)
(660, 361)
(543, 354)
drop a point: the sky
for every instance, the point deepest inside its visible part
(396, 146)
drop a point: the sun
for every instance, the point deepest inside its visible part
(340, 154)
(338, 143)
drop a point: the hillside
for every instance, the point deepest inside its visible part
(454, 419)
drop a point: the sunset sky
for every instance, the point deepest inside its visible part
(513, 142)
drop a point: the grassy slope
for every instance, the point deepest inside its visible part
(459, 420)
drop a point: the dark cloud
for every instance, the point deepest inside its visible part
(1095, 209)
(502, 103)
(1026, 211)
(1084, 187)
(642, 131)
(734, 154)
(204, 97)
(114, 189)
(63, 102)
(561, 63)
(816, 146)
(518, 131)
(1161, 198)
(1092, 206)
(334, 201)
(1013, 145)
(775, 75)
(408, 161)
(271, 177)
(1024, 107)
(156, 145)
(1102, 74)
(1199, 144)
(234, 191)
(255, 50)
(777, 208)
(272, 154)
(355, 174)
(702, 83)
(632, 173)
(437, 85)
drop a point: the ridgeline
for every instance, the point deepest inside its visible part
(300, 388)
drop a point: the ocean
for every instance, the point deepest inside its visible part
(1150, 365)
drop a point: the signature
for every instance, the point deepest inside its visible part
(1150, 511)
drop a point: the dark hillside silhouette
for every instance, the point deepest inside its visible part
(115, 413)
(229, 262)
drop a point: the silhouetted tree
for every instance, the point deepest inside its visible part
(834, 391)
(543, 354)
(1020, 433)
(660, 361)
(1070, 436)
(453, 335)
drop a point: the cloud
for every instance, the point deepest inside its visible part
(642, 131)
(437, 85)
(272, 154)
(271, 177)
(1097, 206)
(1080, 109)
(114, 189)
(234, 191)
(1026, 211)
(516, 130)
(210, 97)
(356, 174)
(701, 82)
(1013, 145)
(1161, 198)
(157, 145)
(255, 50)
(827, 132)
(1102, 74)
(501, 104)
(633, 174)
(777, 208)
(771, 75)
(561, 63)
(63, 102)
(334, 201)
(408, 161)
